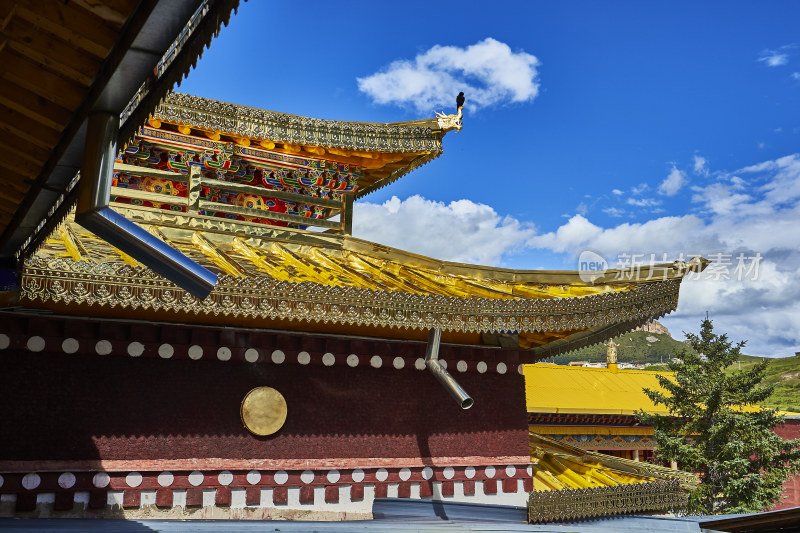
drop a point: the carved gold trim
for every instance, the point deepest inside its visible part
(244, 121)
(577, 504)
(61, 279)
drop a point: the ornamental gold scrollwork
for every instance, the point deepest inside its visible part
(263, 297)
(579, 504)
(282, 127)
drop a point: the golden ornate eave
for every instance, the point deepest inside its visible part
(573, 484)
(272, 274)
(415, 142)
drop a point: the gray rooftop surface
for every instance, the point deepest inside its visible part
(390, 515)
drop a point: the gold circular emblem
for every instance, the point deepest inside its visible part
(263, 411)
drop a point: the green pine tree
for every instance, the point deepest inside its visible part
(715, 428)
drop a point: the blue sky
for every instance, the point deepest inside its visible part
(623, 128)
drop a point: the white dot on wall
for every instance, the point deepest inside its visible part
(307, 476)
(251, 355)
(511, 471)
(382, 474)
(405, 474)
(253, 477)
(165, 479)
(135, 349)
(490, 471)
(70, 345)
(443, 363)
(449, 472)
(427, 472)
(352, 360)
(376, 361)
(501, 368)
(101, 480)
(461, 366)
(195, 352)
(281, 477)
(5, 341)
(31, 481)
(419, 364)
(469, 472)
(303, 358)
(224, 353)
(357, 475)
(333, 476)
(398, 363)
(66, 480)
(165, 351)
(1, 481)
(278, 357)
(328, 359)
(134, 479)
(103, 347)
(481, 366)
(36, 343)
(225, 478)
(529, 470)
(196, 478)
(519, 370)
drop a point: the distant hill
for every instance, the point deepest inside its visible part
(784, 373)
(650, 344)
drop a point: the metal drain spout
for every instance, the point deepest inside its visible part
(444, 377)
(93, 213)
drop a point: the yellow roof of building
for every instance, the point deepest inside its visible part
(570, 483)
(566, 389)
(272, 275)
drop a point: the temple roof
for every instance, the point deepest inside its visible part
(570, 389)
(237, 191)
(595, 391)
(385, 151)
(570, 483)
(295, 279)
(557, 457)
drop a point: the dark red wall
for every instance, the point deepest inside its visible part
(791, 489)
(61, 407)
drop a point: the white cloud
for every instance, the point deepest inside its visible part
(617, 192)
(673, 183)
(771, 58)
(700, 166)
(756, 217)
(643, 202)
(461, 231)
(614, 212)
(795, 75)
(719, 198)
(488, 72)
(776, 58)
(639, 189)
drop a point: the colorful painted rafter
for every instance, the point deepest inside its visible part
(233, 182)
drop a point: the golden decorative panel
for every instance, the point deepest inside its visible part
(579, 504)
(263, 411)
